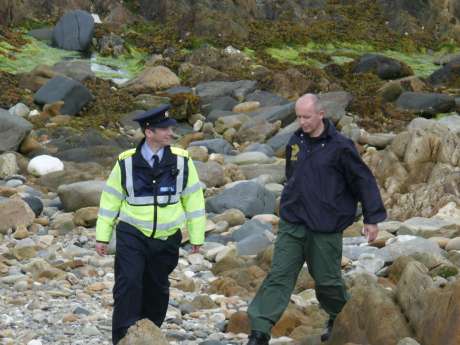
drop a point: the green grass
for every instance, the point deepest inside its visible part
(31, 55)
(132, 62)
(422, 62)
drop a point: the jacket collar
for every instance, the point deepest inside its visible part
(167, 160)
(329, 130)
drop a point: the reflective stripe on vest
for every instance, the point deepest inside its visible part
(149, 224)
(149, 200)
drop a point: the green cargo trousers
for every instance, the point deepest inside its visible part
(295, 245)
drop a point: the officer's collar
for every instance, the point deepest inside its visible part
(167, 159)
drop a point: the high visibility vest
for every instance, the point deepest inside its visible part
(158, 201)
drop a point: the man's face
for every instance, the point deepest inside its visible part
(159, 136)
(308, 118)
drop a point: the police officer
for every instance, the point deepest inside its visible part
(152, 192)
(325, 179)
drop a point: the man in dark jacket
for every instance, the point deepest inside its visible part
(325, 180)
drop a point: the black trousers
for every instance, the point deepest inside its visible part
(142, 267)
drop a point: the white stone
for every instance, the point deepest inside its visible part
(97, 19)
(34, 112)
(34, 342)
(44, 164)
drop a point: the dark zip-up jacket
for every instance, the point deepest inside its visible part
(326, 177)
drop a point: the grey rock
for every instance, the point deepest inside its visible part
(74, 31)
(178, 90)
(257, 147)
(79, 70)
(8, 165)
(445, 75)
(211, 90)
(35, 204)
(19, 109)
(251, 157)
(266, 99)
(251, 227)
(452, 122)
(354, 252)
(249, 197)
(42, 34)
(221, 103)
(408, 341)
(284, 113)
(74, 94)
(80, 194)
(13, 129)
(210, 173)
(214, 145)
(428, 227)
(407, 245)
(335, 104)
(217, 113)
(275, 170)
(384, 67)
(427, 104)
(254, 244)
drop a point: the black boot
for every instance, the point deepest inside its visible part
(258, 338)
(327, 332)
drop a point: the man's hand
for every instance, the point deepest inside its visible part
(195, 248)
(101, 248)
(370, 231)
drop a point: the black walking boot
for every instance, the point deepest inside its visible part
(258, 338)
(327, 332)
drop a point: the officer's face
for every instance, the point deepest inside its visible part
(159, 136)
(309, 119)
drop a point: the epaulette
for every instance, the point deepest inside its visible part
(126, 154)
(179, 151)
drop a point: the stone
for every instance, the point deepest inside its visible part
(249, 158)
(361, 321)
(245, 107)
(210, 173)
(232, 216)
(428, 227)
(266, 99)
(74, 31)
(384, 67)
(284, 113)
(74, 94)
(407, 245)
(8, 165)
(153, 79)
(239, 323)
(142, 333)
(198, 153)
(257, 147)
(24, 249)
(408, 341)
(13, 129)
(80, 194)
(214, 145)
(248, 197)
(79, 70)
(44, 164)
(427, 104)
(86, 216)
(211, 90)
(14, 213)
(250, 228)
(203, 302)
(256, 129)
(20, 110)
(255, 243)
(335, 104)
(275, 170)
(453, 244)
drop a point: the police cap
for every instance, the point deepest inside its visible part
(156, 118)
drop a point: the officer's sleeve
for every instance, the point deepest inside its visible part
(193, 202)
(362, 183)
(109, 207)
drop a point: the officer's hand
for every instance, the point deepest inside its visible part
(101, 248)
(370, 231)
(195, 248)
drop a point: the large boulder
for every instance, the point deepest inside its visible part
(384, 67)
(74, 31)
(266, 99)
(335, 104)
(428, 104)
(361, 321)
(249, 197)
(153, 79)
(210, 173)
(80, 194)
(74, 94)
(214, 145)
(447, 75)
(211, 90)
(284, 113)
(13, 130)
(80, 70)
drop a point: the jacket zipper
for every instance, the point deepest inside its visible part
(155, 211)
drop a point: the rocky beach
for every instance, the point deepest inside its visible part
(73, 75)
